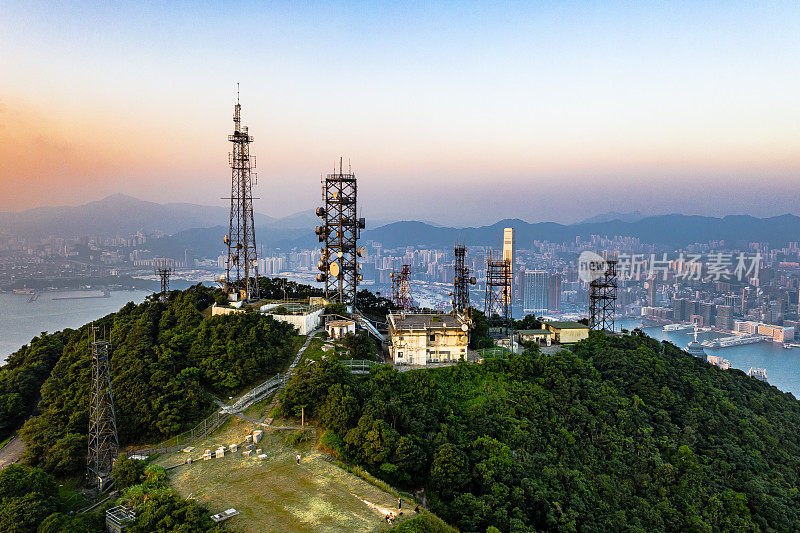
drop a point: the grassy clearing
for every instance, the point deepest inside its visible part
(276, 494)
(314, 351)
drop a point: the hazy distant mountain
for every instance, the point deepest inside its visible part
(115, 215)
(199, 229)
(634, 216)
(669, 230)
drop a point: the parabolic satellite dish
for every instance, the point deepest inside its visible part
(334, 270)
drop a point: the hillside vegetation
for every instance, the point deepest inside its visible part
(165, 361)
(622, 433)
(617, 433)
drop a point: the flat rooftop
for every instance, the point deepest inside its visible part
(408, 321)
(566, 325)
(534, 332)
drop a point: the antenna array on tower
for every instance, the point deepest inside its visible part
(241, 268)
(497, 304)
(339, 233)
(461, 281)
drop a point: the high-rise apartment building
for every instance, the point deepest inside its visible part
(536, 289)
(677, 309)
(724, 318)
(706, 310)
(554, 292)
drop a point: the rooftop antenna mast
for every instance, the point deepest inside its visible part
(241, 268)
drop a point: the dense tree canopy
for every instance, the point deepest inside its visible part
(278, 288)
(165, 360)
(623, 433)
(27, 497)
(23, 374)
(159, 509)
(374, 306)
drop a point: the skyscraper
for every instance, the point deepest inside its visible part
(507, 245)
(677, 309)
(651, 292)
(553, 292)
(706, 310)
(536, 289)
(724, 318)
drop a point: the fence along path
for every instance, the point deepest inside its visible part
(212, 422)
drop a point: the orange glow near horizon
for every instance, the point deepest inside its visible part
(678, 100)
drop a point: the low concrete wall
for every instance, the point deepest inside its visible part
(304, 323)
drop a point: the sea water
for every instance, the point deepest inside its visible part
(783, 365)
(21, 320)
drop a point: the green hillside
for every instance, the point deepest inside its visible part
(618, 433)
(623, 433)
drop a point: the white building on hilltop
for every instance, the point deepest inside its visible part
(421, 338)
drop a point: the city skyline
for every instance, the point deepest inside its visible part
(684, 109)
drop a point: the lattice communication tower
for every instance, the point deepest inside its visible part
(401, 288)
(241, 268)
(339, 233)
(103, 439)
(497, 304)
(603, 299)
(461, 281)
(164, 269)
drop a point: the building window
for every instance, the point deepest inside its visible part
(433, 337)
(399, 355)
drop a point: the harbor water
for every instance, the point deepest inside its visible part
(782, 364)
(21, 320)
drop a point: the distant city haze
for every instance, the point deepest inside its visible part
(456, 114)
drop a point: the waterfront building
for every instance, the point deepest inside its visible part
(553, 292)
(776, 333)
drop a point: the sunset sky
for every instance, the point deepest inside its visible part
(460, 113)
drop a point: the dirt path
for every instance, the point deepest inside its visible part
(11, 452)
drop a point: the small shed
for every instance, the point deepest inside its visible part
(540, 336)
(339, 328)
(568, 332)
